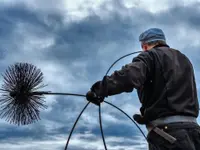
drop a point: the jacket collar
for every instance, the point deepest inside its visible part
(161, 45)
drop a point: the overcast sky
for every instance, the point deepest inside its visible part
(74, 42)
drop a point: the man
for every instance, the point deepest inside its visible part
(165, 83)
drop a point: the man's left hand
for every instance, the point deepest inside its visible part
(95, 95)
(93, 98)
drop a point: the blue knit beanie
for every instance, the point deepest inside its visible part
(152, 34)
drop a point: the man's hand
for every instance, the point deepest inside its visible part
(139, 119)
(96, 88)
(93, 98)
(96, 94)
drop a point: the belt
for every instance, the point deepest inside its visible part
(171, 119)
(166, 120)
(174, 119)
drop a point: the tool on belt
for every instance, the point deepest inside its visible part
(165, 135)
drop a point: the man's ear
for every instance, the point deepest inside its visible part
(145, 47)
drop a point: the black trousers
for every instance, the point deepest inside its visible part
(187, 135)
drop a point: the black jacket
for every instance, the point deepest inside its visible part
(165, 83)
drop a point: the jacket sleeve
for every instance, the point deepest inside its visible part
(130, 76)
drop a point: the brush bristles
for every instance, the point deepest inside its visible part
(17, 104)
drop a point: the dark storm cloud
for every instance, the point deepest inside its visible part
(11, 131)
(118, 130)
(83, 39)
(10, 16)
(182, 15)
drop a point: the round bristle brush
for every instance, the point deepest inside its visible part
(20, 101)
